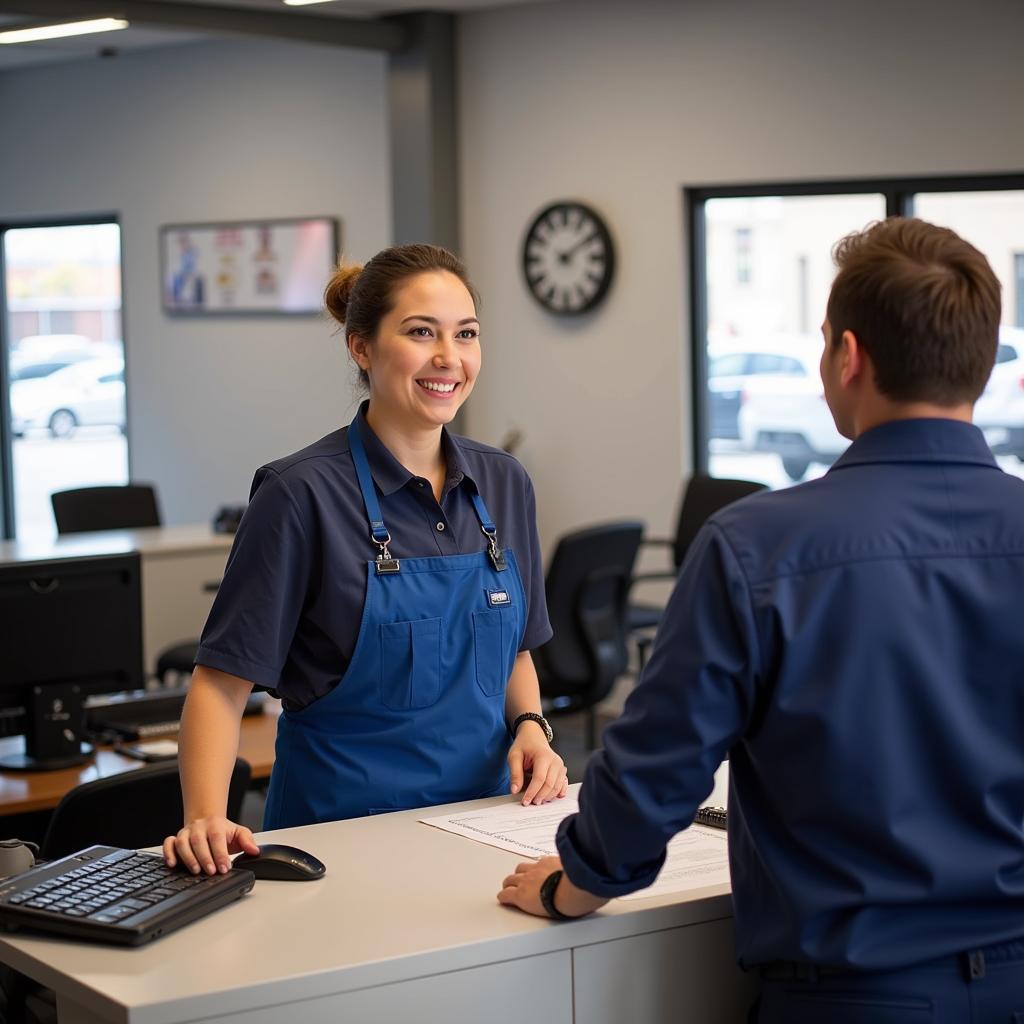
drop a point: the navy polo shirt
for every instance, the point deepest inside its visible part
(855, 644)
(287, 613)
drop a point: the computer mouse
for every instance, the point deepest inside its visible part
(282, 863)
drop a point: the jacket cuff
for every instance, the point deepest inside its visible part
(585, 877)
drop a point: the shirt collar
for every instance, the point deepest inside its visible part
(919, 440)
(389, 474)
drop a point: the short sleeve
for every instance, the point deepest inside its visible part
(254, 616)
(538, 627)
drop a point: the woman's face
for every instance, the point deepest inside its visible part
(426, 356)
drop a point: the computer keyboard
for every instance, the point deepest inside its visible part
(113, 895)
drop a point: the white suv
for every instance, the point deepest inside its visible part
(788, 416)
(1000, 410)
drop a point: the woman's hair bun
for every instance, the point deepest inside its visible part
(338, 292)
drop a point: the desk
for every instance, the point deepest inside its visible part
(21, 792)
(405, 928)
(180, 565)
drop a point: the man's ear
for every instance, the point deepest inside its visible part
(359, 350)
(852, 359)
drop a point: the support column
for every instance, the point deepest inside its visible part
(422, 113)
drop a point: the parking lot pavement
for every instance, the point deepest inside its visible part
(42, 465)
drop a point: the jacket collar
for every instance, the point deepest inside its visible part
(919, 440)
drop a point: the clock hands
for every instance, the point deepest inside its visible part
(564, 257)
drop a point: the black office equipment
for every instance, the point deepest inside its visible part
(586, 585)
(75, 629)
(716, 817)
(282, 863)
(110, 895)
(145, 713)
(127, 507)
(131, 809)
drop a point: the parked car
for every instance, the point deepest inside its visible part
(88, 393)
(1000, 410)
(733, 364)
(788, 416)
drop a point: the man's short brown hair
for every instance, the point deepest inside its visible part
(925, 306)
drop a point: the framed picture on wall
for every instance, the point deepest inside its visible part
(247, 267)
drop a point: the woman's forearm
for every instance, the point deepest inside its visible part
(523, 691)
(208, 741)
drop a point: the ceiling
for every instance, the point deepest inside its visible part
(143, 35)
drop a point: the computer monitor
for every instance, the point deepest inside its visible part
(73, 628)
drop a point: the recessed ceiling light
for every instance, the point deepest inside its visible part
(303, 3)
(70, 28)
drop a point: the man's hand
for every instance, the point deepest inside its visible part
(530, 752)
(522, 889)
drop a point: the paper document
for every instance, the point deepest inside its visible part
(696, 858)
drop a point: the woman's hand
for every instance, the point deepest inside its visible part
(531, 753)
(206, 844)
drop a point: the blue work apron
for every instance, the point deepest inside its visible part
(419, 716)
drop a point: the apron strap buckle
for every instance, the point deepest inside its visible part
(497, 556)
(385, 563)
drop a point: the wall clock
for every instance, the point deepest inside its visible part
(568, 258)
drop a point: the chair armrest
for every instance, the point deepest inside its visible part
(657, 542)
(651, 577)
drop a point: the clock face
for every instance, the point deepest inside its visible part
(568, 258)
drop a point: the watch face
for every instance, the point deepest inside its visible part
(568, 258)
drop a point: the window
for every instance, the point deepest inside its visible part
(757, 305)
(1018, 291)
(65, 367)
(743, 269)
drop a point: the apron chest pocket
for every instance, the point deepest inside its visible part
(410, 664)
(493, 633)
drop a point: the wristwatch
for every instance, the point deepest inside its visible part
(547, 897)
(532, 716)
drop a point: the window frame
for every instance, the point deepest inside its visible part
(898, 194)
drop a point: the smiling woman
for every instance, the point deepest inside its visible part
(375, 586)
(411, 326)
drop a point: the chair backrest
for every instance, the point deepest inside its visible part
(134, 809)
(105, 508)
(704, 496)
(586, 586)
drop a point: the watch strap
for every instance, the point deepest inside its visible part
(532, 716)
(547, 897)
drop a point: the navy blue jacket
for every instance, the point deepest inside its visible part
(856, 646)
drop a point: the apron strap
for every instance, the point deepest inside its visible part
(489, 530)
(379, 532)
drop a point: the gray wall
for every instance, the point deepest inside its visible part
(621, 105)
(223, 130)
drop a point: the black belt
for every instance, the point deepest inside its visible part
(971, 963)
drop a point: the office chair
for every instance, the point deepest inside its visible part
(586, 586)
(704, 495)
(134, 809)
(133, 506)
(86, 509)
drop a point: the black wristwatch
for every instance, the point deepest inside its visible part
(547, 897)
(532, 716)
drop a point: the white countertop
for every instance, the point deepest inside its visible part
(400, 900)
(155, 540)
